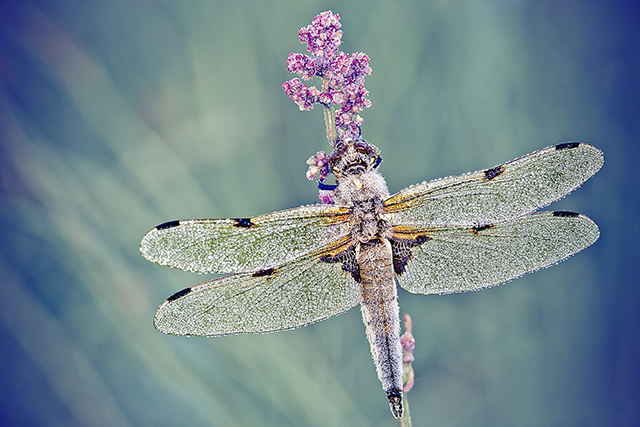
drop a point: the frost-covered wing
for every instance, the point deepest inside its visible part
(235, 245)
(443, 260)
(309, 289)
(501, 193)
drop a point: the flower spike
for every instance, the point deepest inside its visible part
(342, 94)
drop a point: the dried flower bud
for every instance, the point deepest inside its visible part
(408, 344)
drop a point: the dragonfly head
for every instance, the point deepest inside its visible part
(354, 157)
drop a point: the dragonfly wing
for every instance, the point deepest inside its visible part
(234, 245)
(443, 260)
(306, 290)
(501, 193)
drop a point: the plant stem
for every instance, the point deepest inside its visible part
(329, 117)
(405, 420)
(330, 124)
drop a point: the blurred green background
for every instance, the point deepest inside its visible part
(116, 116)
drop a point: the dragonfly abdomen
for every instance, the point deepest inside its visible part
(381, 316)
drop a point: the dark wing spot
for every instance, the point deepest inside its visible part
(242, 222)
(489, 174)
(179, 294)
(168, 224)
(421, 239)
(567, 145)
(566, 214)
(402, 251)
(476, 229)
(265, 272)
(348, 260)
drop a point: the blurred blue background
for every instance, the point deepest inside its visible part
(116, 116)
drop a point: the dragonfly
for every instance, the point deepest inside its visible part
(290, 268)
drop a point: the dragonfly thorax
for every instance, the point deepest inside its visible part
(363, 194)
(361, 188)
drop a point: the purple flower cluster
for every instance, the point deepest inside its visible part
(318, 165)
(342, 75)
(323, 35)
(301, 94)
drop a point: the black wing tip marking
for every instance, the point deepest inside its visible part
(179, 294)
(490, 174)
(567, 145)
(265, 272)
(168, 224)
(242, 222)
(566, 214)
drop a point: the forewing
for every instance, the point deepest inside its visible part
(501, 193)
(235, 245)
(459, 259)
(274, 299)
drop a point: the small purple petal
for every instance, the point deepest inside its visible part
(326, 197)
(325, 98)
